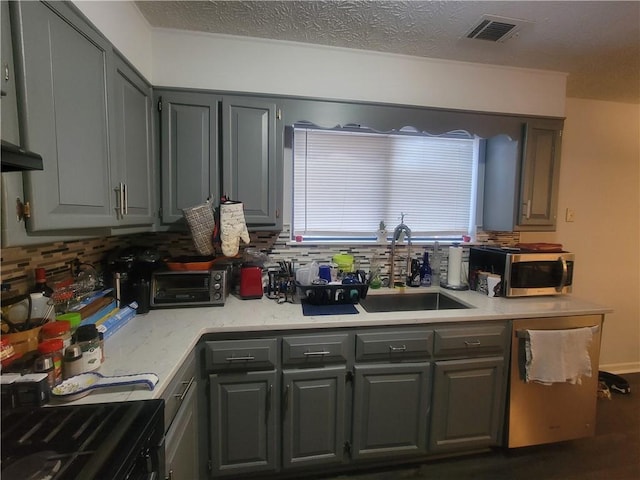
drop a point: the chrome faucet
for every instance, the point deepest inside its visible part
(397, 236)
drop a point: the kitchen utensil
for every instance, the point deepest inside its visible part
(82, 385)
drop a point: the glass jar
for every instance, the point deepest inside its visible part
(60, 329)
(88, 338)
(50, 355)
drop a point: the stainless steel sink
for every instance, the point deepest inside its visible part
(409, 302)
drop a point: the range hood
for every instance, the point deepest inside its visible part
(16, 159)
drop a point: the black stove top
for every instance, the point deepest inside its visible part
(98, 441)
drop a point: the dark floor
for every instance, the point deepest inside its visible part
(613, 454)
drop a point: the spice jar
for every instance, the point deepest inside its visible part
(50, 360)
(89, 340)
(73, 363)
(60, 329)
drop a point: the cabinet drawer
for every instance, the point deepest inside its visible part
(314, 349)
(251, 354)
(178, 389)
(470, 341)
(394, 345)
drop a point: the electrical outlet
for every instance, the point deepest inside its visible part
(570, 215)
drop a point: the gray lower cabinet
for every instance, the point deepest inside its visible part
(188, 151)
(181, 415)
(181, 441)
(313, 416)
(243, 415)
(252, 158)
(468, 404)
(391, 410)
(132, 170)
(64, 66)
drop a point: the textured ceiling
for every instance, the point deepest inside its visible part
(596, 42)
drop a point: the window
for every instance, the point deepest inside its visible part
(345, 181)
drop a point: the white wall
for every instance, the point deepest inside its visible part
(123, 24)
(224, 62)
(600, 180)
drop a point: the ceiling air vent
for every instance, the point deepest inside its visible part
(495, 29)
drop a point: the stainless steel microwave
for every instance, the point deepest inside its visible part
(522, 273)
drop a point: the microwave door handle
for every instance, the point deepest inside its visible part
(565, 274)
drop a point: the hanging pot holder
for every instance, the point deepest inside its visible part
(202, 225)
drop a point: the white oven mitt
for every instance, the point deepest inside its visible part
(232, 228)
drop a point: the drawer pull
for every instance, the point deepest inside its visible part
(402, 348)
(181, 396)
(472, 343)
(248, 358)
(316, 354)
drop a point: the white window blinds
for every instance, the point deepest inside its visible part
(346, 182)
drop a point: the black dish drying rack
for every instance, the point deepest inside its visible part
(333, 294)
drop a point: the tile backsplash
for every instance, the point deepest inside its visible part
(18, 263)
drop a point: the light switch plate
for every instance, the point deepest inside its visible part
(569, 215)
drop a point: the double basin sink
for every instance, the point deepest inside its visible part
(409, 302)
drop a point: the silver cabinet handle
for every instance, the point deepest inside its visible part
(125, 197)
(472, 343)
(527, 209)
(402, 348)
(247, 358)
(181, 396)
(316, 354)
(6, 72)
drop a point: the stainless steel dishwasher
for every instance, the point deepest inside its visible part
(551, 413)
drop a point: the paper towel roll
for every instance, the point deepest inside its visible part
(454, 276)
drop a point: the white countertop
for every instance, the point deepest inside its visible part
(160, 340)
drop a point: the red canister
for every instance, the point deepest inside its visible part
(53, 349)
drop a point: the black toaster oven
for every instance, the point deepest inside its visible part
(193, 288)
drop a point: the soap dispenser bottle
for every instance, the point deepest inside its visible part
(425, 271)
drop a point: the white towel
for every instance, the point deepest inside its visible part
(558, 356)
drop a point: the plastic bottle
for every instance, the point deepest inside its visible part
(425, 271)
(41, 283)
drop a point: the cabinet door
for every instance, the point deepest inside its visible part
(10, 130)
(313, 430)
(390, 412)
(243, 422)
(540, 172)
(468, 399)
(189, 151)
(252, 159)
(181, 444)
(64, 69)
(132, 173)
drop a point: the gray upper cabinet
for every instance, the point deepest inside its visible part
(10, 129)
(541, 168)
(188, 151)
(252, 159)
(64, 68)
(522, 177)
(132, 153)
